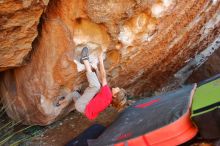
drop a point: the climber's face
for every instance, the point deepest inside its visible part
(115, 91)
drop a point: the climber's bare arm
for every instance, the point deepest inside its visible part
(102, 70)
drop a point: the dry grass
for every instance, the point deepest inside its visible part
(13, 133)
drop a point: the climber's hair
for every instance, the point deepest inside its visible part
(120, 100)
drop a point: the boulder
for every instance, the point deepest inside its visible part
(18, 29)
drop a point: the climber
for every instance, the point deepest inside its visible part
(95, 97)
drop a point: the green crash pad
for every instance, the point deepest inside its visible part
(206, 98)
(206, 108)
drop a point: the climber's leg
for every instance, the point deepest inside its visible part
(72, 96)
(97, 72)
(87, 65)
(90, 91)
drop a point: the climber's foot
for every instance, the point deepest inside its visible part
(60, 100)
(84, 54)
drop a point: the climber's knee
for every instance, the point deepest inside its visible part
(80, 107)
(86, 97)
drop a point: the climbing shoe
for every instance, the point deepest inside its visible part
(57, 102)
(84, 54)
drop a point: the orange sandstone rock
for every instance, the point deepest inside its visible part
(18, 29)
